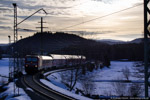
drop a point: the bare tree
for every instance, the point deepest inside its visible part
(120, 88)
(139, 68)
(87, 85)
(135, 89)
(126, 73)
(127, 89)
(71, 76)
(107, 93)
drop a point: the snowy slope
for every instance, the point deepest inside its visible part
(10, 93)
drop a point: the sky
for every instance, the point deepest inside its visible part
(126, 25)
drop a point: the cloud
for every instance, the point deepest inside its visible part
(136, 35)
(26, 30)
(105, 1)
(90, 33)
(6, 27)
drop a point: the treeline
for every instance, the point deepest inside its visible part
(130, 51)
(101, 51)
(1, 52)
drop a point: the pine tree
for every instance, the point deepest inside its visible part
(106, 61)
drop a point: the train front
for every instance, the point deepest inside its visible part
(31, 64)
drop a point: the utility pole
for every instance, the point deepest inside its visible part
(41, 44)
(15, 52)
(15, 23)
(146, 35)
(10, 62)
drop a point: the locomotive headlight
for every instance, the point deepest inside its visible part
(35, 65)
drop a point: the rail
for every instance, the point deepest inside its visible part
(34, 83)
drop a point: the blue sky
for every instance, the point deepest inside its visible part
(126, 25)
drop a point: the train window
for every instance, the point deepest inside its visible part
(32, 59)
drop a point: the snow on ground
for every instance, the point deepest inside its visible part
(112, 73)
(115, 71)
(63, 91)
(4, 71)
(10, 93)
(4, 66)
(29, 89)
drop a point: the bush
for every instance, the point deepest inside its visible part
(135, 90)
(126, 72)
(87, 85)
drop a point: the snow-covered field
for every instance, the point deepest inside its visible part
(113, 73)
(106, 88)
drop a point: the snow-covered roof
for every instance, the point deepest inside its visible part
(55, 56)
(46, 57)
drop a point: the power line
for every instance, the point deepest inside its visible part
(101, 17)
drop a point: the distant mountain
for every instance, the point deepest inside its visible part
(111, 42)
(138, 40)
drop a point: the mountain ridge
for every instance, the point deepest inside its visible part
(112, 42)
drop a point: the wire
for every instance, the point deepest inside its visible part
(5, 9)
(101, 17)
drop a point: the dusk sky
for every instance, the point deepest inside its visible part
(126, 25)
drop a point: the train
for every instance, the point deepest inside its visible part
(36, 63)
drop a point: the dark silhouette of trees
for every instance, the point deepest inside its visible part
(106, 61)
(130, 51)
(1, 53)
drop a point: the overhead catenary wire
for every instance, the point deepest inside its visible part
(101, 17)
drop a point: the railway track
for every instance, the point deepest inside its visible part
(33, 82)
